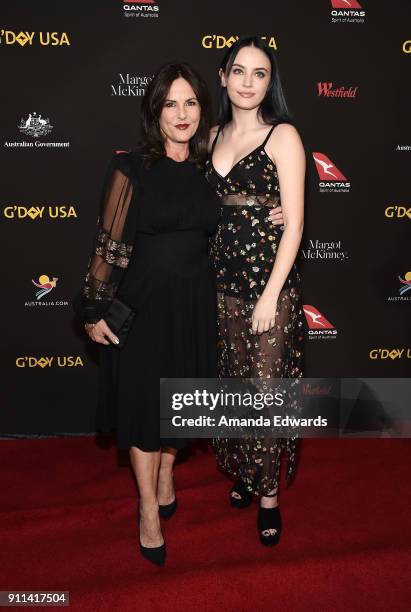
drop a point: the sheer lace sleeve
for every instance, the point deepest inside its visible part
(113, 242)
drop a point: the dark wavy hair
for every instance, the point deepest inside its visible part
(273, 108)
(152, 140)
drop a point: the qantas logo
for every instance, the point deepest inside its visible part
(142, 9)
(332, 180)
(318, 326)
(327, 171)
(347, 11)
(316, 320)
(347, 4)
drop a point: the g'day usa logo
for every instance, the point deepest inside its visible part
(347, 11)
(141, 8)
(331, 178)
(319, 328)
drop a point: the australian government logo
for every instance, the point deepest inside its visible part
(145, 9)
(130, 85)
(35, 126)
(319, 328)
(218, 41)
(30, 39)
(322, 250)
(347, 11)
(332, 180)
(17, 212)
(42, 287)
(404, 289)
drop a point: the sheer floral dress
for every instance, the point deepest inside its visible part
(243, 252)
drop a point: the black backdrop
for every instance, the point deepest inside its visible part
(69, 84)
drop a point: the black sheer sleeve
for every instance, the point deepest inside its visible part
(113, 242)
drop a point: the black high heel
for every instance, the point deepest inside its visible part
(166, 511)
(269, 518)
(156, 555)
(246, 497)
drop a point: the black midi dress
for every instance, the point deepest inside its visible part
(151, 251)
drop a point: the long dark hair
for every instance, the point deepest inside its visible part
(152, 141)
(273, 108)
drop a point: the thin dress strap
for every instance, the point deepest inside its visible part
(268, 136)
(215, 140)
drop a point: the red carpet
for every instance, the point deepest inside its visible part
(68, 523)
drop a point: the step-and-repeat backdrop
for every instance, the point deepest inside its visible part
(73, 77)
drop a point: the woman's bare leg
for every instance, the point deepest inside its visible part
(146, 467)
(165, 488)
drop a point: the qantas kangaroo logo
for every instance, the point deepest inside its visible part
(316, 320)
(327, 171)
(347, 4)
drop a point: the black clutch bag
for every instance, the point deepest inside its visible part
(119, 317)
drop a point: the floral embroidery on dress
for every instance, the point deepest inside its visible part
(243, 251)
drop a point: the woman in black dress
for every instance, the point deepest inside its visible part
(256, 153)
(151, 251)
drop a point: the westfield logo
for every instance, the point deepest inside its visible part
(327, 90)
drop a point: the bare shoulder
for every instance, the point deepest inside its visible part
(285, 133)
(285, 141)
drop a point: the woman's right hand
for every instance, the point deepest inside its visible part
(100, 332)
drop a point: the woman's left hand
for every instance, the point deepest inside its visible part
(276, 216)
(263, 318)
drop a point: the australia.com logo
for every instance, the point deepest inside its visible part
(141, 8)
(319, 328)
(331, 178)
(49, 361)
(42, 287)
(17, 212)
(403, 290)
(347, 11)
